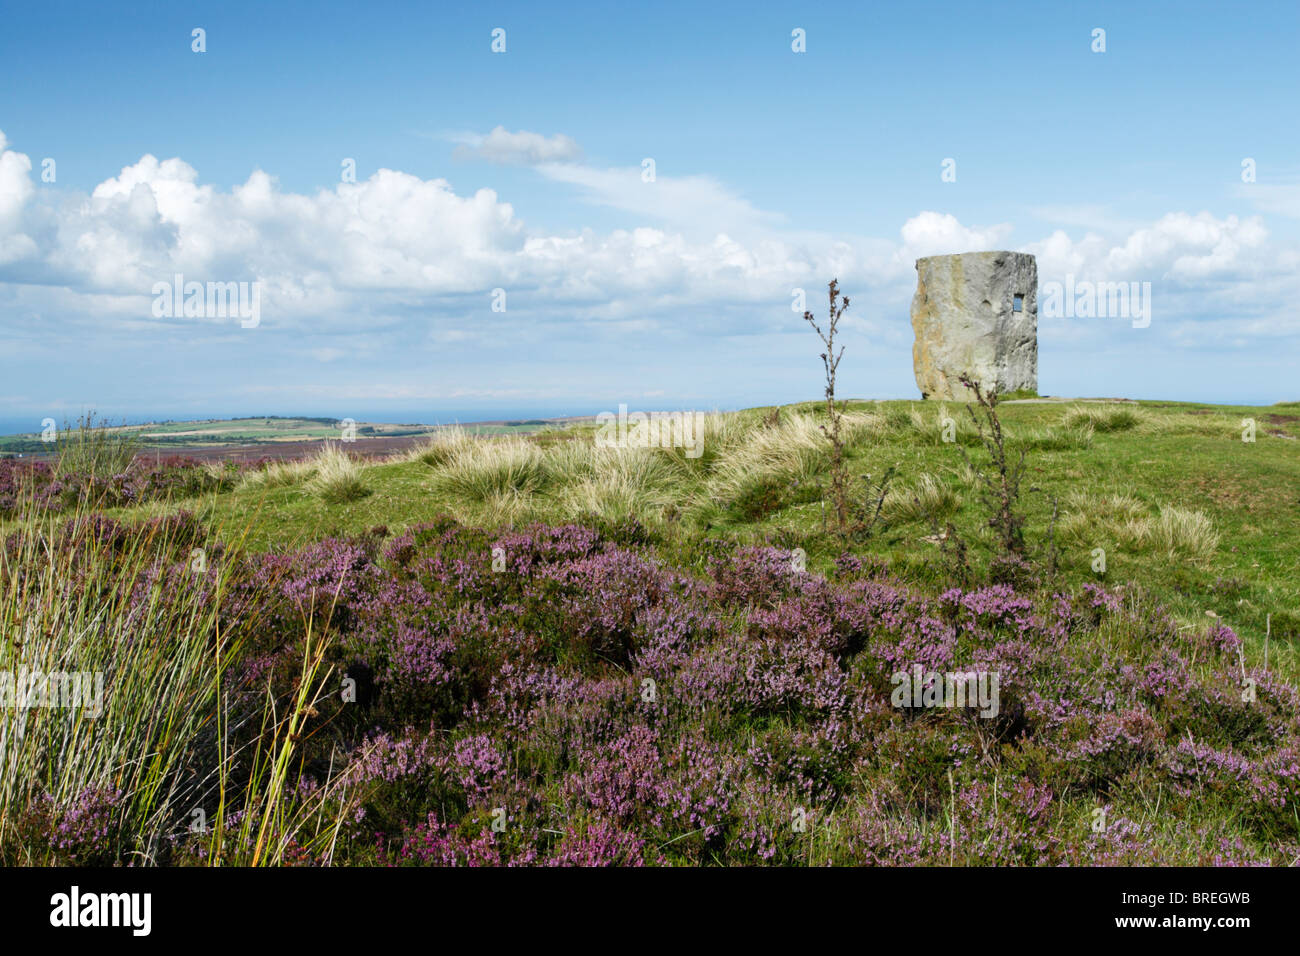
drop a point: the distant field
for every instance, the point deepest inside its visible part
(271, 437)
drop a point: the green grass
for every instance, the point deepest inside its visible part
(1178, 502)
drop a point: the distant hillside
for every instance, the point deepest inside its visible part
(273, 431)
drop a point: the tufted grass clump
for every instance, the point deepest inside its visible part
(926, 499)
(91, 446)
(1185, 532)
(1102, 418)
(440, 448)
(337, 479)
(1121, 521)
(613, 483)
(482, 470)
(943, 427)
(280, 474)
(1077, 436)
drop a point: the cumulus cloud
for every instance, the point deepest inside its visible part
(392, 231)
(16, 191)
(935, 234)
(1178, 246)
(517, 149)
(396, 248)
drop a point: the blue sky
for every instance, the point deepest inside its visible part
(522, 171)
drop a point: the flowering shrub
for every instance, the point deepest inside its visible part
(557, 696)
(45, 488)
(81, 833)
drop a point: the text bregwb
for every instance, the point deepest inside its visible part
(102, 909)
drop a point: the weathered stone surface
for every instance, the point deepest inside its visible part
(965, 320)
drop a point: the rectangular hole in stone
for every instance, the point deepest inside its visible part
(1017, 303)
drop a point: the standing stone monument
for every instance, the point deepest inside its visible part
(975, 313)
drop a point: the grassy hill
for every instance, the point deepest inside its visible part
(533, 649)
(1114, 469)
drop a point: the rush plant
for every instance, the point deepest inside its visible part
(137, 610)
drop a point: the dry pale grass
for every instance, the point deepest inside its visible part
(1186, 532)
(216, 470)
(280, 474)
(440, 447)
(929, 424)
(616, 482)
(927, 497)
(506, 508)
(738, 452)
(338, 478)
(579, 477)
(718, 433)
(1122, 521)
(794, 450)
(858, 428)
(480, 469)
(1120, 518)
(725, 434)
(744, 457)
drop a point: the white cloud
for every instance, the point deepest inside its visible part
(935, 234)
(1188, 246)
(16, 190)
(397, 249)
(517, 149)
(1178, 246)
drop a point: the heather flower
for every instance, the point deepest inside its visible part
(600, 843)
